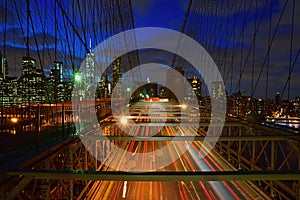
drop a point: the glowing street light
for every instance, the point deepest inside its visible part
(14, 120)
(183, 106)
(77, 77)
(123, 120)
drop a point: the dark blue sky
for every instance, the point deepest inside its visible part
(214, 25)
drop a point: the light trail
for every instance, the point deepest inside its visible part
(189, 161)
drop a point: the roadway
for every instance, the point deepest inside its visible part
(133, 156)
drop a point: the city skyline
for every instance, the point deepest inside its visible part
(169, 15)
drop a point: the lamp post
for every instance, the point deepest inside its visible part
(14, 121)
(78, 80)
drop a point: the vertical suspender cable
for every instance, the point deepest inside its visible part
(133, 26)
(123, 29)
(291, 50)
(225, 37)
(242, 49)
(291, 67)
(4, 36)
(27, 37)
(20, 22)
(68, 43)
(240, 36)
(252, 42)
(72, 25)
(253, 51)
(232, 56)
(182, 30)
(82, 26)
(42, 19)
(269, 41)
(55, 31)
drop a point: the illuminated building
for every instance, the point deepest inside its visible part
(217, 91)
(32, 83)
(8, 91)
(277, 101)
(103, 88)
(3, 67)
(89, 74)
(296, 107)
(6, 86)
(117, 65)
(56, 86)
(196, 88)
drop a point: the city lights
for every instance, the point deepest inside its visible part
(77, 77)
(14, 120)
(183, 106)
(123, 120)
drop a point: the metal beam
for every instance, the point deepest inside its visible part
(153, 116)
(20, 186)
(191, 138)
(158, 176)
(46, 154)
(212, 124)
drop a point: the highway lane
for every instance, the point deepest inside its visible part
(188, 161)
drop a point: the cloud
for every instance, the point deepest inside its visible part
(41, 39)
(159, 13)
(13, 36)
(14, 59)
(142, 7)
(9, 15)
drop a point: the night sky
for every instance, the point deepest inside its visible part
(222, 38)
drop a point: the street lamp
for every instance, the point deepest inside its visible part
(183, 106)
(14, 120)
(77, 77)
(123, 120)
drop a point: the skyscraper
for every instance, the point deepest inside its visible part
(103, 87)
(28, 65)
(3, 67)
(217, 91)
(58, 66)
(32, 83)
(277, 101)
(90, 68)
(56, 88)
(218, 94)
(117, 64)
(90, 75)
(196, 88)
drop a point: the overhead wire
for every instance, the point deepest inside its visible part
(252, 43)
(271, 43)
(291, 66)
